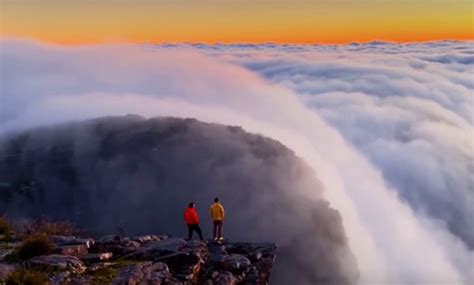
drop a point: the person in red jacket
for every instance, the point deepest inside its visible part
(192, 220)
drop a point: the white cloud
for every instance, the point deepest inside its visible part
(401, 105)
(389, 101)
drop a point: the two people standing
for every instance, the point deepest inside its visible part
(217, 215)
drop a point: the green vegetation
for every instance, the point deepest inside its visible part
(34, 246)
(27, 277)
(12, 257)
(104, 275)
(47, 227)
(5, 228)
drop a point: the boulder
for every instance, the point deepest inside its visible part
(185, 259)
(217, 248)
(253, 251)
(236, 263)
(97, 257)
(217, 260)
(57, 262)
(76, 249)
(222, 278)
(186, 265)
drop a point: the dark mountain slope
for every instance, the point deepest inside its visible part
(138, 175)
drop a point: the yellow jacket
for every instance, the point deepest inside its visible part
(217, 212)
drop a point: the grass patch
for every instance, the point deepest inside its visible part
(121, 262)
(35, 245)
(27, 277)
(104, 275)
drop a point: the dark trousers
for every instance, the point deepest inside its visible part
(218, 229)
(196, 228)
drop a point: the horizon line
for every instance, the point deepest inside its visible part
(218, 43)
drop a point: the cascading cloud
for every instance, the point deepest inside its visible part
(388, 127)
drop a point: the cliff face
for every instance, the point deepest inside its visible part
(137, 176)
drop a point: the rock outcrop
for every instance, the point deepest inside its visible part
(138, 175)
(150, 259)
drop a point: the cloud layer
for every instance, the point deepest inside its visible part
(387, 127)
(409, 108)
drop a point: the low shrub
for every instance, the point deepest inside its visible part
(27, 277)
(34, 246)
(5, 227)
(104, 275)
(46, 227)
(12, 257)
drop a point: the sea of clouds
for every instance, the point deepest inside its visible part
(409, 108)
(388, 127)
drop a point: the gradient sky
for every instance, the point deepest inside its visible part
(297, 21)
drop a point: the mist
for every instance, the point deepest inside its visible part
(393, 237)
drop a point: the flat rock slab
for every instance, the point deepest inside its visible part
(117, 245)
(58, 262)
(245, 248)
(97, 257)
(75, 249)
(171, 244)
(145, 273)
(71, 240)
(198, 248)
(149, 238)
(156, 249)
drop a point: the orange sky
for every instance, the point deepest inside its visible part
(300, 21)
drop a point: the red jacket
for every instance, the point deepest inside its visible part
(191, 216)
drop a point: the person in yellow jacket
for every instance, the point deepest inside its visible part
(217, 215)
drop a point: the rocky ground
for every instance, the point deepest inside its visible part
(148, 259)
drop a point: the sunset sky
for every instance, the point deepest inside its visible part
(295, 21)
